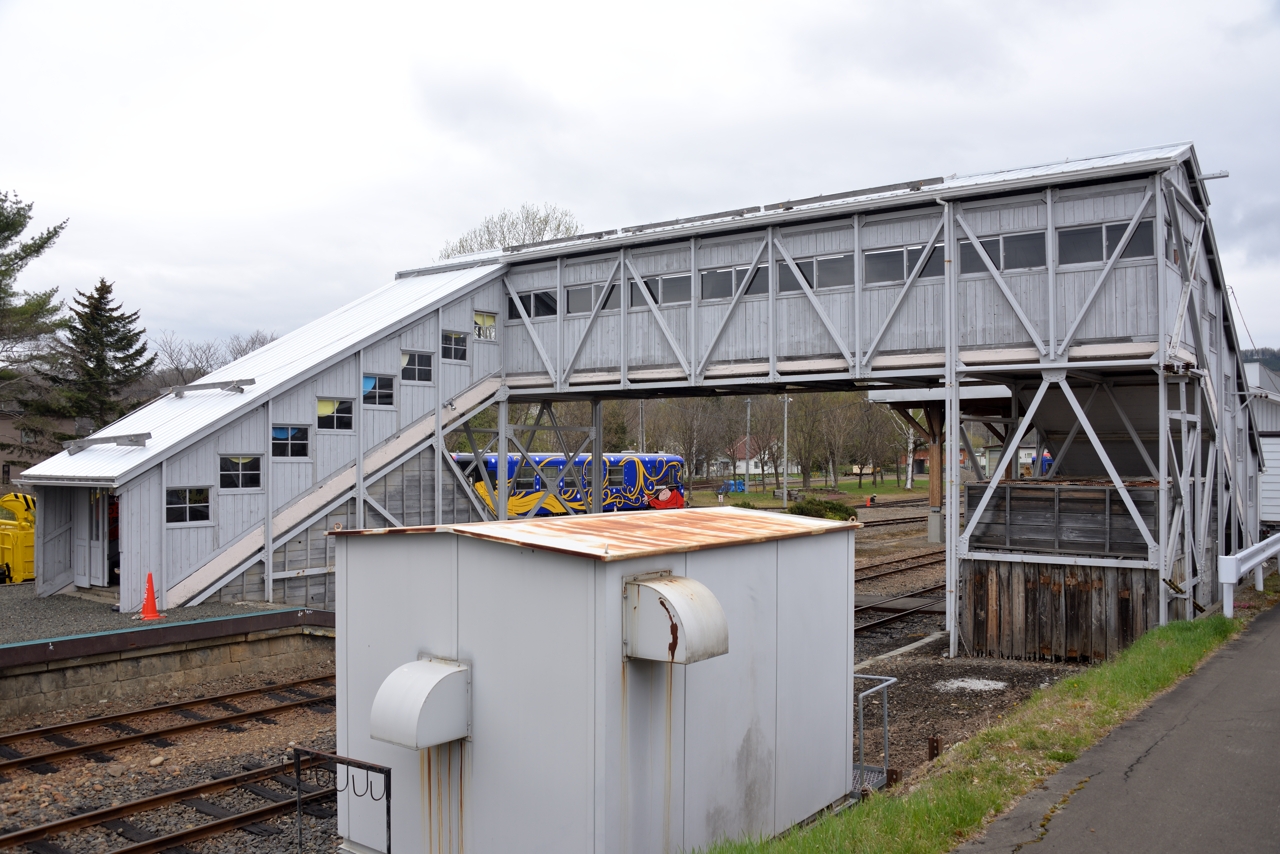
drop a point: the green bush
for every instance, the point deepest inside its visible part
(745, 504)
(820, 508)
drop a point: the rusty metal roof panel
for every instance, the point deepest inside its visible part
(623, 536)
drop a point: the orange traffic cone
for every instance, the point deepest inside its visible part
(868, 500)
(149, 611)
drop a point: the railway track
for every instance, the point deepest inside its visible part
(283, 697)
(906, 520)
(195, 798)
(917, 562)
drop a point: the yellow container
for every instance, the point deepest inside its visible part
(17, 538)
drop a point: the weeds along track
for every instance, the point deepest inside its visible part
(22, 749)
(259, 794)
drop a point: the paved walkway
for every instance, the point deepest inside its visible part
(1199, 770)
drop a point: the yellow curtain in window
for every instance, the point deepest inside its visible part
(326, 407)
(404, 359)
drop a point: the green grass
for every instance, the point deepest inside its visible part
(983, 776)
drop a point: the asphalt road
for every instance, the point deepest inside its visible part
(1199, 770)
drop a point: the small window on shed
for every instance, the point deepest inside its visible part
(1023, 250)
(335, 414)
(453, 345)
(884, 267)
(787, 280)
(934, 266)
(240, 472)
(289, 441)
(836, 271)
(578, 300)
(486, 326)
(1141, 245)
(971, 261)
(186, 504)
(676, 289)
(415, 367)
(379, 391)
(717, 284)
(1080, 245)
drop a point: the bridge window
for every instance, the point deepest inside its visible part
(1080, 245)
(896, 264)
(717, 284)
(637, 296)
(787, 280)
(1022, 251)
(611, 302)
(578, 300)
(415, 367)
(289, 442)
(453, 346)
(676, 289)
(759, 284)
(836, 271)
(536, 304)
(379, 391)
(239, 472)
(486, 326)
(335, 415)
(971, 261)
(1141, 245)
(187, 504)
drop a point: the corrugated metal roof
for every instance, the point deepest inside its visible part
(957, 185)
(175, 422)
(622, 536)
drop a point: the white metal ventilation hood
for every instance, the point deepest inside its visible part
(422, 704)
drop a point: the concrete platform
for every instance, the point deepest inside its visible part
(1196, 771)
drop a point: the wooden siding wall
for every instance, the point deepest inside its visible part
(408, 493)
(1055, 612)
(1126, 309)
(1061, 518)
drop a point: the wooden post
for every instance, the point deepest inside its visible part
(934, 418)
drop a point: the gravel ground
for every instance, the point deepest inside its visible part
(24, 617)
(919, 706)
(80, 784)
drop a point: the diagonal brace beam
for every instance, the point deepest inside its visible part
(733, 305)
(528, 325)
(817, 306)
(595, 314)
(1010, 454)
(902, 294)
(1008, 294)
(657, 315)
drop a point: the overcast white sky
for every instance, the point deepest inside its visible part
(256, 165)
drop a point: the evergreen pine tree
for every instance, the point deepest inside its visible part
(27, 320)
(101, 355)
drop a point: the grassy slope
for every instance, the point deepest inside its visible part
(979, 778)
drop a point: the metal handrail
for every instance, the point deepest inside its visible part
(332, 759)
(1232, 568)
(862, 771)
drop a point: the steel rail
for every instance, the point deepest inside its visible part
(222, 825)
(875, 523)
(877, 605)
(151, 802)
(933, 553)
(892, 618)
(90, 723)
(921, 565)
(135, 738)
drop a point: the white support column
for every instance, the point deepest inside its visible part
(438, 485)
(358, 406)
(162, 594)
(268, 533)
(951, 429)
(1051, 257)
(773, 323)
(857, 300)
(624, 307)
(561, 308)
(1163, 481)
(500, 460)
(694, 289)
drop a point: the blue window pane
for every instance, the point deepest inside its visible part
(279, 432)
(368, 383)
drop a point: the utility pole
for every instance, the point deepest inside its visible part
(746, 451)
(642, 450)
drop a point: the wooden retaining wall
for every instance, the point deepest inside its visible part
(1052, 611)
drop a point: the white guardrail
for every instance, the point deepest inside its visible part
(1232, 568)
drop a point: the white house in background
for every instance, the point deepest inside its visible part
(1264, 401)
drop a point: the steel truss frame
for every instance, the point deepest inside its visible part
(1198, 482)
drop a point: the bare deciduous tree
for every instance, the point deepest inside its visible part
(529, 224)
